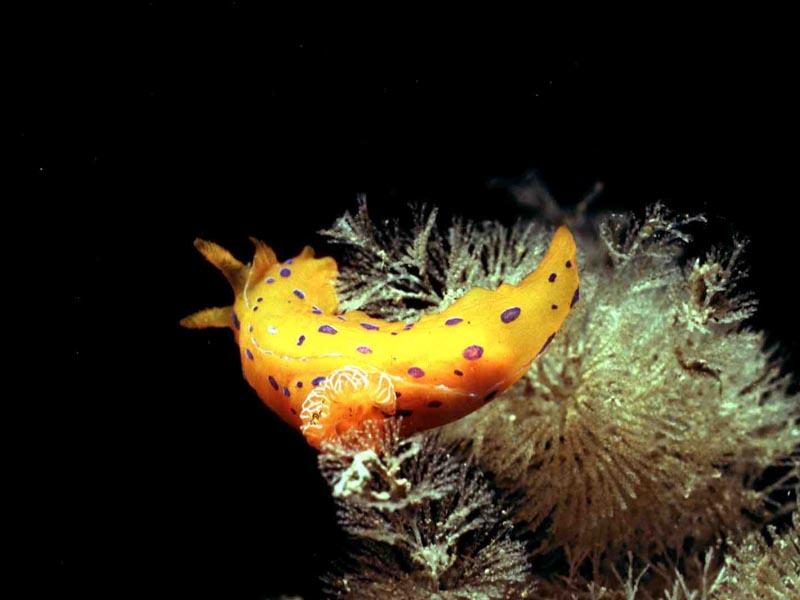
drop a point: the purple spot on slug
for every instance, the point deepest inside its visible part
(285, 391)
(434, 404)
(416, 372)
(552, 277)
(259, 299)
(300, 340)
(394, 333)
(236, 322)
(472, 352)
(299, 384)
(510, 314)
(316, 311)
(369, 326)
(317, 380)
(249, 354)
(453, 321)
(270, 280)
(459, 373)
(272, 382)
(284, 272)
(341, 318)
(255, 308)
(327, 329)
(554, 306)
(250, 329)
(290, 261)
(408, 326)
(299, 294)
(575, 297)
(364, 350)
(569, 264)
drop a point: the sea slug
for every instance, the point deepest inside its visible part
(325, 372)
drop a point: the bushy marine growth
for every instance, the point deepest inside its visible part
(761, 565)
(424, 522)
(648, 421)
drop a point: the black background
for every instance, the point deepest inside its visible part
(156, 468)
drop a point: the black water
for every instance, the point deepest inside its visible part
(153, 465)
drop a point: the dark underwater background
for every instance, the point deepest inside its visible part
(156, 469)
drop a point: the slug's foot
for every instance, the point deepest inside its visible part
(347, 398)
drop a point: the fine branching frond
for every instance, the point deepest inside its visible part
(424, 522)
(763, 567)
(400, 271)
(713, 296)
(652, 241)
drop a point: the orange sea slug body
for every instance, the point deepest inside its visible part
(325, 372)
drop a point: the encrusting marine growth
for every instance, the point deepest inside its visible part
(325, 372)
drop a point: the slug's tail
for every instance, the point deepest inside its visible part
(237, 275)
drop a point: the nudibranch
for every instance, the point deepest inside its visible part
(324, 372)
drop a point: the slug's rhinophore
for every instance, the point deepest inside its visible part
(325, 372)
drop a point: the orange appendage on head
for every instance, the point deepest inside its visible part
(350, 396)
